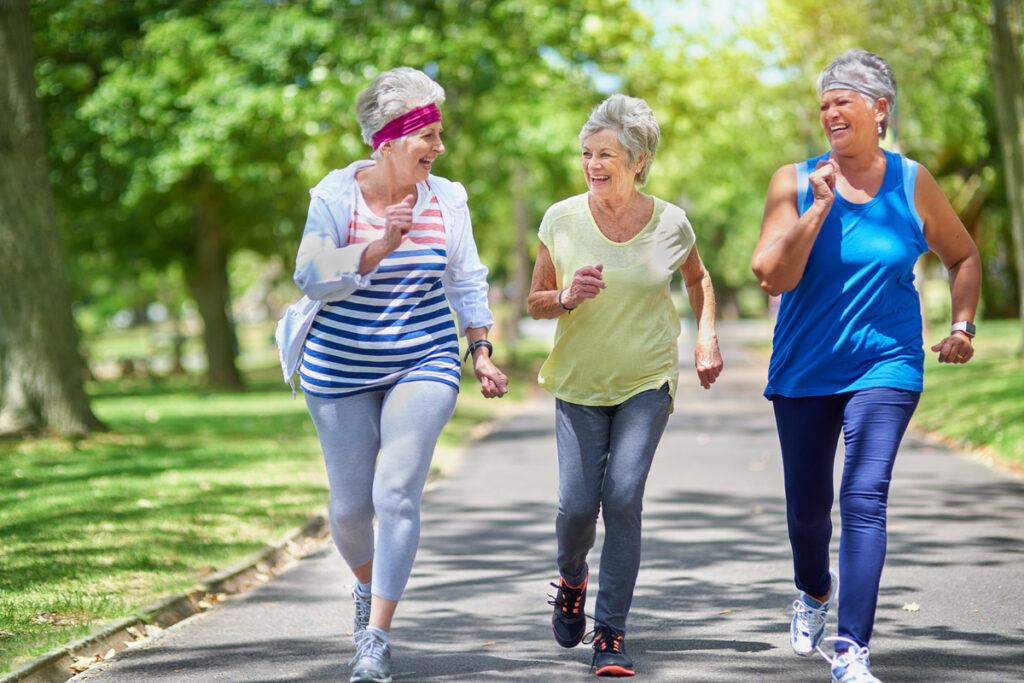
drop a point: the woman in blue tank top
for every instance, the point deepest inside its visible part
(839, 238)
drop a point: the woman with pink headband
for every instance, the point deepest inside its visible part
(386, 255)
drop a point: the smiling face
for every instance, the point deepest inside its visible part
(847, 118)
(414, 155)
(606, 164)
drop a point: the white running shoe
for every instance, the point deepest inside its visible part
(372, 661)
(809, 620)
(852, 665)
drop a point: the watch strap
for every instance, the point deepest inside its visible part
(964, 326)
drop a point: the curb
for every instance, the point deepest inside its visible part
(61, 664)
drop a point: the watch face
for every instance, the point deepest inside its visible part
(970, 329)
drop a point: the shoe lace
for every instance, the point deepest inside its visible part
(809, 619)
(855, 658)
(362, 605)
(604, 640)
(567, 598)
(369, 646)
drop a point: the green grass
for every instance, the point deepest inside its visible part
(980, 404)
(186, 483)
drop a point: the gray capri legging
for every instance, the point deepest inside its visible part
(604, 456)
(402, 424)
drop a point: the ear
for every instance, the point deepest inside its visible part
(639, 165)
(881, 109)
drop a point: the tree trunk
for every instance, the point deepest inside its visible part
(1009, 92)
(42, 373)
(207, 279)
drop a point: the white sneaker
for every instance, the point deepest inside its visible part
(809, 620)
(372, 661)
(851, 666)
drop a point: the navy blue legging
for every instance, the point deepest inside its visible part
(872, 422)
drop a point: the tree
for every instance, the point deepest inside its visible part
(1009, 91)
(185, 131)
(42, 370)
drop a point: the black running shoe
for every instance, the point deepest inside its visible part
(568, 622)
(610, 658)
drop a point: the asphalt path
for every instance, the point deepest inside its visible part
(714, 594)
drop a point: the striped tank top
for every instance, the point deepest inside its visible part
(397, 329)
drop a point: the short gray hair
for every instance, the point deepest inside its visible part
(865, 73)
(637, 129)
(392, 94)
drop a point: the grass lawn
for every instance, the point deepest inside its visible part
(185, 484)
(980, 404)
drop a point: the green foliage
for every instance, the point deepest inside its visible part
(156, 106)
(980, 404)
(246, 104)
(186, 483)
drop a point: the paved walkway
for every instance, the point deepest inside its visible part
(714, 592)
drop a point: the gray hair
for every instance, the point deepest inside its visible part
(863, 72)
(637, 129)
(392, 94)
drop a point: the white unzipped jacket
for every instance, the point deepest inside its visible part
(326, 266)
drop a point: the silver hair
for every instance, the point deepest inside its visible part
(637, 129)
(392, 94)
(863, 72)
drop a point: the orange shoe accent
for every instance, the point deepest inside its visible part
(615, 670)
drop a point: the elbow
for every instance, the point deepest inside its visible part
(772, 286)
(762, 277)
(768, 280)
(531, 309)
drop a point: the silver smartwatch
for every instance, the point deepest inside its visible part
(963, 326)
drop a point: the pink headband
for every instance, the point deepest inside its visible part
(406, 123)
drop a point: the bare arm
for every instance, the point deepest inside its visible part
(949, 239)
(787, 237)
(707, 356)
(543, 301)
(493, 382)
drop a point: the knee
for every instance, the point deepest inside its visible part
(623, 507)
(396, 502)
(344, 515)
(865, 505)
(809, 521)
(578, 516)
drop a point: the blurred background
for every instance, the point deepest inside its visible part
(182, 138)
(155, 158)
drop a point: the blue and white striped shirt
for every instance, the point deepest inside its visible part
(399, 328)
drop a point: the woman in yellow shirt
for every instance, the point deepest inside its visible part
(604, 267)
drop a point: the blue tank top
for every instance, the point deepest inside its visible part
(854, 320)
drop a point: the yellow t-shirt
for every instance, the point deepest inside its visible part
(623, 341)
